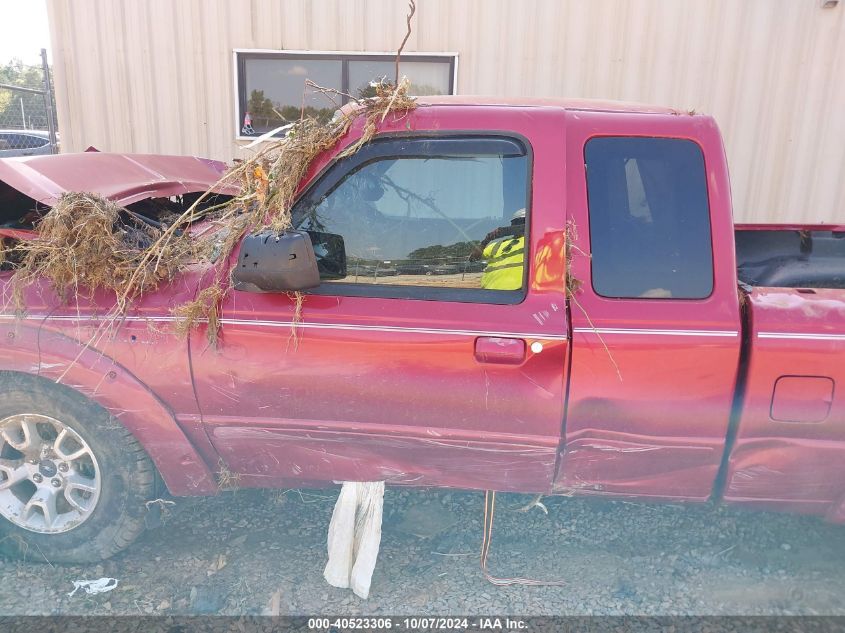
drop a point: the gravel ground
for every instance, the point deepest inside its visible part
(249, 552)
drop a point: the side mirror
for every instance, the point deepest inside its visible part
(276, 262)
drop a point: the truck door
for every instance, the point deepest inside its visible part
(656, 328)
(407, 366)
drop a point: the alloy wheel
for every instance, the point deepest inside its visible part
(50, 481)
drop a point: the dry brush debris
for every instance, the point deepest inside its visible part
(86, 242)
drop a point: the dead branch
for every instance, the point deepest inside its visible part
(328, 92)
(413, 9)
(573, 285)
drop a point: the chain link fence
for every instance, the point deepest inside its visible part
(27, 110)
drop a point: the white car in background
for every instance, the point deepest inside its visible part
(25, 143)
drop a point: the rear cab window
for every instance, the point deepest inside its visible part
(649, 218)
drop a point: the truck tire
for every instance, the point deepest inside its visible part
(73, 480)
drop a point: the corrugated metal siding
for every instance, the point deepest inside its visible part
(157, 76)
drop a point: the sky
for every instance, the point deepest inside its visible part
(24, 30)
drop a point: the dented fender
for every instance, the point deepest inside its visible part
(99, 377)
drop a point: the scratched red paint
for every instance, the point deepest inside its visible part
(397, 390)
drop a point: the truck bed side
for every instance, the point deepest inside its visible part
(789, 450)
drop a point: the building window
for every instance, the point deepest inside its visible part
(649, 218)
(435, 218)
(272, 92)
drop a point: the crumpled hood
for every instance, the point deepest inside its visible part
(123, 178)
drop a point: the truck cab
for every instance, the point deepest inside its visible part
(626, 362)
(614, 376)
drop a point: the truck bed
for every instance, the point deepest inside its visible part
(789, 446)
(791, 256)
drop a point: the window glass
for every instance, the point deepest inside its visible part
(275, 89)
(272, 89)
(426, 78)
(649, 218)
(22, 141)
(440, 221)
(27, 141)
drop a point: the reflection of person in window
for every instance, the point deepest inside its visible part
(504, 251)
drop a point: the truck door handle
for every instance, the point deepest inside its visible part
(500, 351)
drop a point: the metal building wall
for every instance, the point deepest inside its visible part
(157, 75)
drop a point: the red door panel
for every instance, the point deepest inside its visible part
(652, 378)
(406, 401)
(422, 392)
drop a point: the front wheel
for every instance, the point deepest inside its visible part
(73, 480)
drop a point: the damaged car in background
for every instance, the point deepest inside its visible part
(585, 332)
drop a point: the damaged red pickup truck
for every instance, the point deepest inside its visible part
(449, 342)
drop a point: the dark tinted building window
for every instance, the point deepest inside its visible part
(649, 218)
(272, 89)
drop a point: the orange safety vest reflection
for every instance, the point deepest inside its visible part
(550, 262)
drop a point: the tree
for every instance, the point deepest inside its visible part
(437, 252)
(261, 110)
(16, 73)
(267, 115)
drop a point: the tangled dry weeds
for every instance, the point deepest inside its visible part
(86, 242)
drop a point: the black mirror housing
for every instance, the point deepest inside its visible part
(276, 262)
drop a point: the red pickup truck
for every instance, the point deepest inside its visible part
(636, 369)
